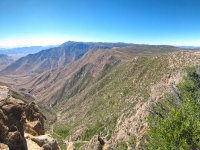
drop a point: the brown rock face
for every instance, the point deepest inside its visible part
(35, 123)
(16, 141)
(3, 146)
(17, 118)
(12, 132)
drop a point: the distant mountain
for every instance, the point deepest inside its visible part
(5, 60)
(55, 57)
(190, 47)
(105, 44)
(23, 51)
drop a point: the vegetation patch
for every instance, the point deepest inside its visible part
(61, 130)
(174, 123)
(122, 146)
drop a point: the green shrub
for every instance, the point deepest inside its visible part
(175, 123)
(108, 137)
(61, 130)
(90, 132)
(132, 141)
(122, 146)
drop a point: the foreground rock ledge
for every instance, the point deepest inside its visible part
(22, 125)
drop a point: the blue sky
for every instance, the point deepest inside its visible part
(50, 22)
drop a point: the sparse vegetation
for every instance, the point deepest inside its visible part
(61, 130)
(122, 146)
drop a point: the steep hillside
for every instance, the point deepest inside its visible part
(109, 103)
(50, 86)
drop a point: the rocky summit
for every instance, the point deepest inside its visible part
(22, 125)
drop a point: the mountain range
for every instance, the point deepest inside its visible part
(99, 93)
(55, 57)
(19, 52)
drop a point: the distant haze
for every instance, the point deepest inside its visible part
(22, 51)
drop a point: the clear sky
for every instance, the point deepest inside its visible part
(50, 22)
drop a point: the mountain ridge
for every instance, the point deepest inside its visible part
(52, 58)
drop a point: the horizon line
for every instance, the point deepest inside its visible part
(43, 45)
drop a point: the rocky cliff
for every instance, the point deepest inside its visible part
(22, 125)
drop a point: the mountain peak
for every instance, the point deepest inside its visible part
(67, 43)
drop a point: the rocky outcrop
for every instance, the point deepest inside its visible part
(35, 123)
(17, 118)
(45, 142)
(96, 143)
(11, 124)
(70, 146)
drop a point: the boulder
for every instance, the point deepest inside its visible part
(46, 142)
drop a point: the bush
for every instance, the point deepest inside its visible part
(90, 132)
(61, 130)
(122, 146)
(175, 123)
